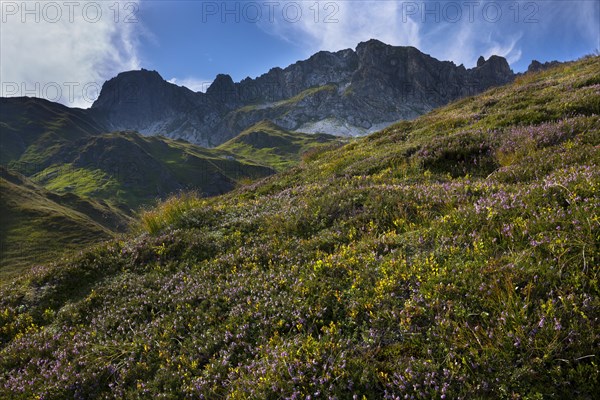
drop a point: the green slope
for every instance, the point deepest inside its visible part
(270, 145)
(68, 151)
(65, 152)
(130, 169)
(37, 226)
(35, 128)
(454, 256)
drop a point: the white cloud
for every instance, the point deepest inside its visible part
(343, 24)
(464, 42)
(64, 51)
(456, 31)
(194, 84)
(508, 49)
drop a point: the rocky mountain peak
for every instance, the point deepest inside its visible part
(136, 99)
(223, 88)
(537, 66)
(494, 71)
(130, 87)
(370, 45)
(348, 92)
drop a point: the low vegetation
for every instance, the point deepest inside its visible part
(70, 173)
(268, 144)
(37, 226)
(454, 256)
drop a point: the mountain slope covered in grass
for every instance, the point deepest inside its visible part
(38, 225)
(68, 161)
(453, 256)
(30, 126)
(130, 169)
(69, 151)
(273, 146)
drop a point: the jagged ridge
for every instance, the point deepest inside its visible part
(369, 88)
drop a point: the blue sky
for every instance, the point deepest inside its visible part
(65, 53)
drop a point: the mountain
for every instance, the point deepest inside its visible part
(270, 145)
(67, 183)
(537, 66)
(37, 225)
(30, 127)
(451, 256)
(132, 169)
(349, 92)
(69, 150)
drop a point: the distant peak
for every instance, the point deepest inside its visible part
(222, 86)
(537, 66)
(141, 72)
(371, 43)
(374, 46)
(495, 63)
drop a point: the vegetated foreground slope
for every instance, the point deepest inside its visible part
(69, 164)
(454, 256)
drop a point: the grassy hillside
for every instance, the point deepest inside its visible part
(270, 145)
(134, 170)
(454, 256)
(26, 122)
(65, 152)
(68, 151)
(37, 226)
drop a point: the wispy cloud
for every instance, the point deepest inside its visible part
(456, 31)
(194, 84)
(338, 25)
(64, 51)
(464, 42)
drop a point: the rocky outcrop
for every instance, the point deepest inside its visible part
(349, 92)
(537, 66)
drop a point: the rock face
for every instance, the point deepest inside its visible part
(145, 102)
(537, 66)
(349, 92)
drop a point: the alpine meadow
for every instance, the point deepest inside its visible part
(454, 255)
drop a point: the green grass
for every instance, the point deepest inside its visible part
(38, 226)
(292, 101)
(453, 256)
(268, 144)
(66, 178)
(132, 170)
(308, 93)
(79, 174)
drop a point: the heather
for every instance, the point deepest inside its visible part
(453, 256)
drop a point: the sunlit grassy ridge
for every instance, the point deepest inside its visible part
(133, 170)
(37, 226)
(270, 145)
(454, 256)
